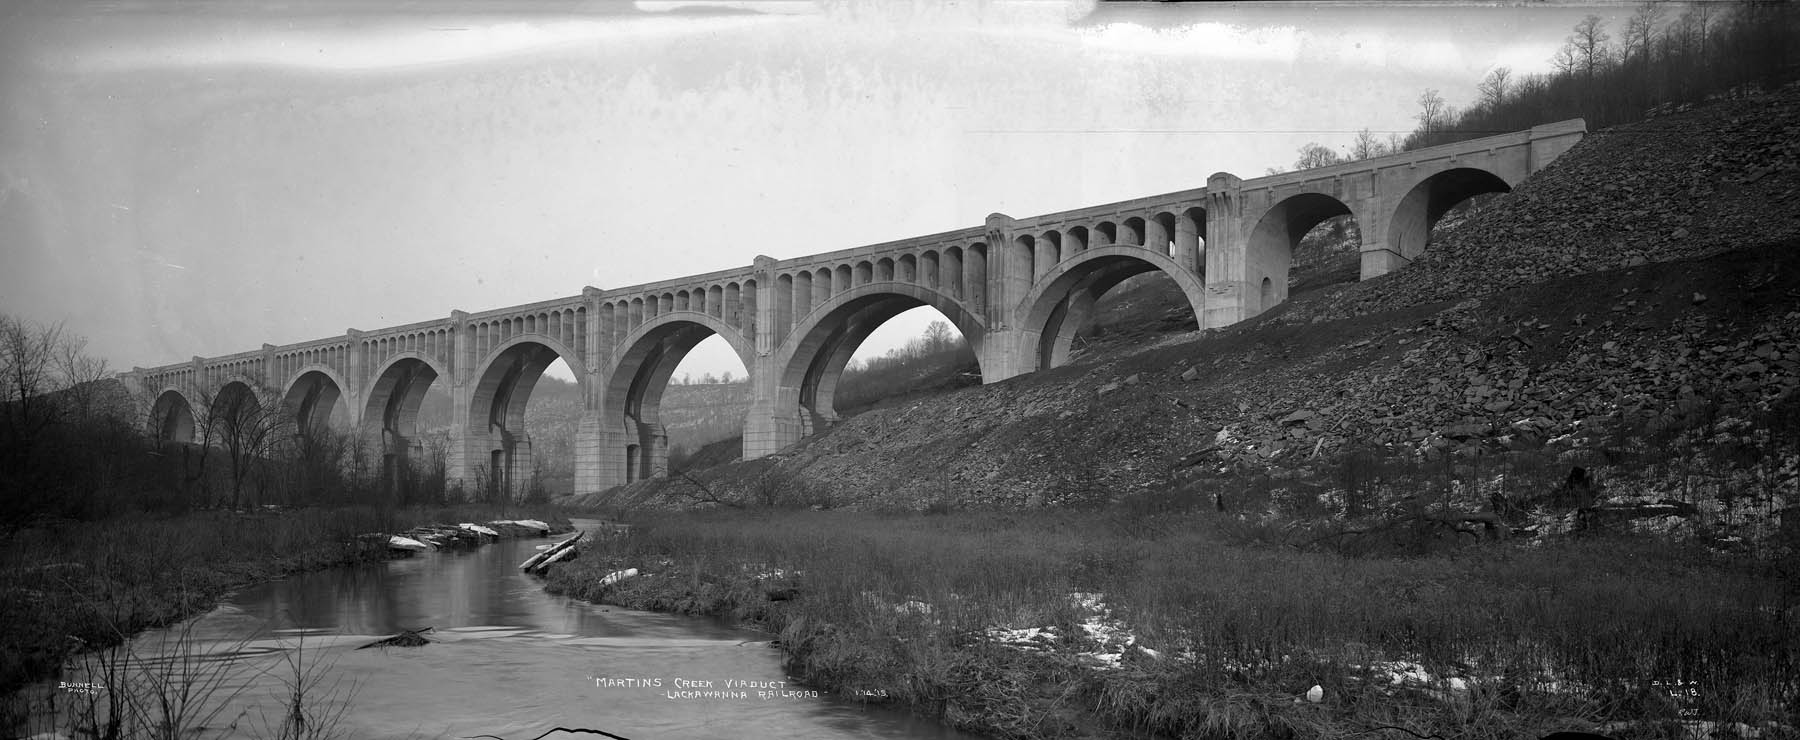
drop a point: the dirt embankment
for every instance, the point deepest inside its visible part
(1647, 282)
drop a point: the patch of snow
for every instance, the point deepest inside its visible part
(478, 529)
(407, 543)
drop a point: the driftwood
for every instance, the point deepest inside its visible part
(406, 638)
(559, 551)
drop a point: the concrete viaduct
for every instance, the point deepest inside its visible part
(1017, 288)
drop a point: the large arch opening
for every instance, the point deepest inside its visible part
(814, 363)
(248, 425)
(1112, 292)
(641, 379)
(391, 420)
(1414, 219)
(552, 420)
(510, 461)
(322, 435)
(1270, 253)
(313, 399)
(172, 418)
(916, 350)
(703, 408)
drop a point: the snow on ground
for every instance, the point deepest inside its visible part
(407, 543)
(1110, 638)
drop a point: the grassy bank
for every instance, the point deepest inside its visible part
(71, 585)
(1066, 625)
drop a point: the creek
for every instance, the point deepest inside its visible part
(506, 660)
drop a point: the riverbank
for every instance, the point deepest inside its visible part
(67, 586)
(1084, 624)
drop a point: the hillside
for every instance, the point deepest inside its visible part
(1641, 291)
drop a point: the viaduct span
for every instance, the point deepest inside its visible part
(1017, 288)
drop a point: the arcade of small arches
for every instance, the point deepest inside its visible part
(1018, 289)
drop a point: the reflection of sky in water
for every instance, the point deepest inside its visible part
(506, 659)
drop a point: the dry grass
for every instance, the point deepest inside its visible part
(1547, 635)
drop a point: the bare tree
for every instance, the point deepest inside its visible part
(1640, 31)
(1589, 43)
(28, 358)
(1367, 146)
(1431, 110)
(938, 336)
(48, 379)
(249, 430)
(1567, 58)
(1493, 87)
(1315, 155)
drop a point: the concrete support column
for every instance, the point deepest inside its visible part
(591, 442)
(772, 421)
(466, 455)
(1007, 353)
(356, 375)
(269, 378)
(1010, 277)
(520, 465)
(1378, 257)
(590, 470)
(1226, 244)
(1008, 273)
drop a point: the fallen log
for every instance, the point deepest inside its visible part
(551, 554)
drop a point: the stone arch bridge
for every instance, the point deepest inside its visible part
(1017, 288)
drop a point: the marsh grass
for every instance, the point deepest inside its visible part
(1575, 631)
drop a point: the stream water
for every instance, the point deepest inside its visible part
(507, 660)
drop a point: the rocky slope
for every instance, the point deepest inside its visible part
(1642, 290)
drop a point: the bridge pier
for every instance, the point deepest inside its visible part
(773, 421)
(1378, 261)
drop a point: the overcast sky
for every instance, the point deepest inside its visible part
(197, 178)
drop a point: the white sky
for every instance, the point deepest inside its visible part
(197, 178)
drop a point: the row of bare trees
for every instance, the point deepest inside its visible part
(75, 444)
(1660, 58)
